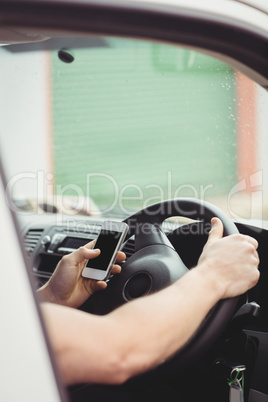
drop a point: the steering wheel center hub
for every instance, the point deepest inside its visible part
(138, 285)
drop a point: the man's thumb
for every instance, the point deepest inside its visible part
(216, 231)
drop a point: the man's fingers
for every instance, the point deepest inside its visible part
(90, 245)
(98, 285)
(86, 252)
(93, 286)
(120, 256)
(216, 231)
(83, 253)
(116, 269)
(252, 241)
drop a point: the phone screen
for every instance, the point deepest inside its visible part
(106, 242)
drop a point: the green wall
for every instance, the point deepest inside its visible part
(143, 114)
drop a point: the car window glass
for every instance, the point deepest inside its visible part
(127, 123)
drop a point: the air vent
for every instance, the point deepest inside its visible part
(129, 248)
(31, 239)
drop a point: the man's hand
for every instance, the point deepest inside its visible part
(67, 286)
(233, 260)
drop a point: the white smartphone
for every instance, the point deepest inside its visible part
(109, 241)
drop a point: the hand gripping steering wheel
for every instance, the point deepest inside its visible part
(155, 265)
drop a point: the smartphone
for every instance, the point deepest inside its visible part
(109, 241)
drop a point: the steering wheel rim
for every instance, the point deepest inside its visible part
(218, 317)
(186, 207)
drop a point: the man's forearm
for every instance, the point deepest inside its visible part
(133, 338)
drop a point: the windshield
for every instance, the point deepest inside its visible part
(107, 126)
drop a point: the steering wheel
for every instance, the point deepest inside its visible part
(155, 265)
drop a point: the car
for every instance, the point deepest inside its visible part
(150, 112)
